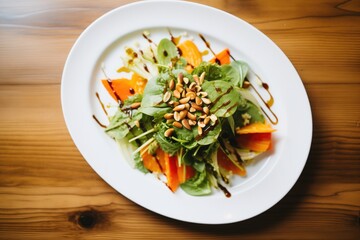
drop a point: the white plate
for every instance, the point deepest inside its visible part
(268, 180)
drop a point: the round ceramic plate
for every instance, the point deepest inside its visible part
(269, 178)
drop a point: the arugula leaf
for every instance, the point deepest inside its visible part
(212, 71)
(242, 68)
(198, 185)
(121, 123)
(166, 52)
(166, 144)
(232, 74)
(152, 98)
(211, 136)
(132, 99)
(251, 109)
(139, 163)
(223, 96)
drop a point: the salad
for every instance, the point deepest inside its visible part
(193, 122)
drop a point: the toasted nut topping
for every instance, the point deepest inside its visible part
(213, 118)
(206, 110)
(192, 122)
(179, 107)
(179, 88)
(203, 94)
(177, 94)
(198, 101)
(137, 123)
(197, 88)
(169, 121)
(196, 78)
(203, 116)
(183, 94)
(197, 107)
(187, 106)
(184, 100)
(206, 120)
(191, 116)
(201, 79)
(200, 131)
(169, 132)
(135, 105)
(177, 116)
(176, 104)
(171, 102)
(180, 78)
(177, 124)
(201, 124)
(192, 109)
(191, 95)
(192, 85)
(186, 124)
(169, 115)
(186, 80)
(183, 114)
(246, 84)
(166, 97)
(206, 100)
(172, 84)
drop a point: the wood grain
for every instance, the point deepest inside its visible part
(48, 191)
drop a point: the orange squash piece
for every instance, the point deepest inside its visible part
(150, 162)
(222, 57)
(190, 52)
(258, 142)
(171, 172)
(124, 87)
(225, 163)
(257, 127)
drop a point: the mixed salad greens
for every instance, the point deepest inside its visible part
(193, 121)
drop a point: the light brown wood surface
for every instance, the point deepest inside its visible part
(46, 187)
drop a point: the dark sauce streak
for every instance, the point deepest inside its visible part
(270, 102)
(146, 68)
(153, 55)
(116, 95)
(158, 163)
(225, 191)
(132, 91)
(206, 131)
(218, 98)
(232, 57)
(222, 105)
(267, 105)
(98, 122)
(165, 53)
(224, 179)
(101, 103)
(148, 39)
(209, 47)
(218, 90)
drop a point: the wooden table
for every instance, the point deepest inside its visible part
(48, 191)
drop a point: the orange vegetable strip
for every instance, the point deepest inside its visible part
(190, 52)
(258, 142)
(225, 163)
(255, 128)
(222, 57)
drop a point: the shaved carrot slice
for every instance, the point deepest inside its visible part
(190, 52)
(171, 172)
(151, 163)
(185, 172)
(225, 163)
(258, 142)
(257, 127)
(222, 57)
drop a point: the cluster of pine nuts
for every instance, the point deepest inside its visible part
(191, 105)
